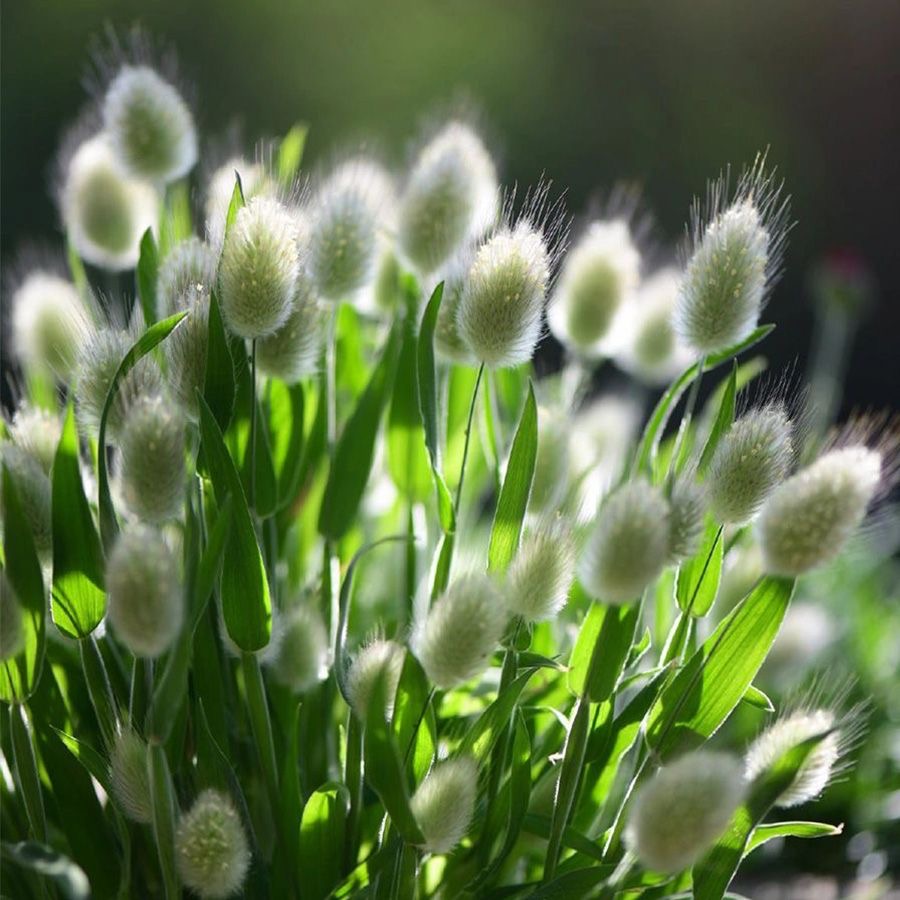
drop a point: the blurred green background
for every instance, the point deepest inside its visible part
(662, 93)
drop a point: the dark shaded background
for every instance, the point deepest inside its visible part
(660, 92)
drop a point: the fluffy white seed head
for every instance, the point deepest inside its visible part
(129, 776)
(301, 658)
(807, 519)
(451, 198)
(347, 212)
(687, 507)
(444, 803)
(36, 431)
(539, 579)
(259, 269)
(377, 659)
(787, 733)
(292, 352)
(33, 488)
(448, 342)
(98, 362)
(683, 810)
(105, 212)
(552, 463)
(187, 275)
(455, 641)
(211, 847)
(153, 460)
(629, 544)
(12, 635)
(255, 182)
(144, 595)
(150, 127)
(733, 263)
(648, 346)
(753, 457)
(185, 352)
(502, 301)
(599, 273)
(49, 321)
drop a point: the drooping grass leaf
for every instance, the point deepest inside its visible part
(322, 832)
(146, 274)
(703, 694)
(78, 599)
(19, 675)
(771, 830)
(513, 500)
(246, 604)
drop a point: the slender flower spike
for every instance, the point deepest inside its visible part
(451, 198)
(599, 273)
(808, 518)
(105, 212)
(186, 276)
(629, 545)
(735, 259)
(684, 809)
(130, 778)
(444, 803)
(378, 658)
(455, 641)
(211, 847)
(36, 431)
(153, 452)
(259, 269)
(150, 128)
(542, 572)
(347, 211)
(49, 322)
(300, 658)
(145, 601)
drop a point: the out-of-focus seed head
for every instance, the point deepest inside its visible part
(444, 803)
(150, 127)
(293, 352)
(542, 572)
(455, 640)
(348, 210)
(599, 273)
(451, 198)
(552, 463)
(649, 347)
(187, 276)
(211, 847)
(753, 457)
(255, 182)
(130, 778)
(36, 431)
(153, 466)
(259, 269)
(682, 811)
(98, 362)
(144, 595)
(33, 487)
(104, 211)
(807, 519)
(301, 658)
(185, 351)
(734, 260)
(807, 631)
(377, 659)
(743, 569)
(629, 545)
(687, 507)
(840, 728)
(49, 322)
(12, 635)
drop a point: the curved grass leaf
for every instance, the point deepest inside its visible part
(771, 830)
(322, 830)
(356, 448)
(19, 675)
(513, 500)
(703, 694)
(246, 604)
(78, 599)
(154, 335)
(753, 696)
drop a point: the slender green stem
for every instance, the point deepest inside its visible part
(253, 423)
(261, 726)
(462, 468)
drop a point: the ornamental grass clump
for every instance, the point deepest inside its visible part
(317, 583)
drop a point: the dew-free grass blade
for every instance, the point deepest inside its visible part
(286, 411)
(483, 735)
(290, 153)
(322, 830)
(698, 578)
(78, 599)
(218, 382)
(772, 830)
(722, 422)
